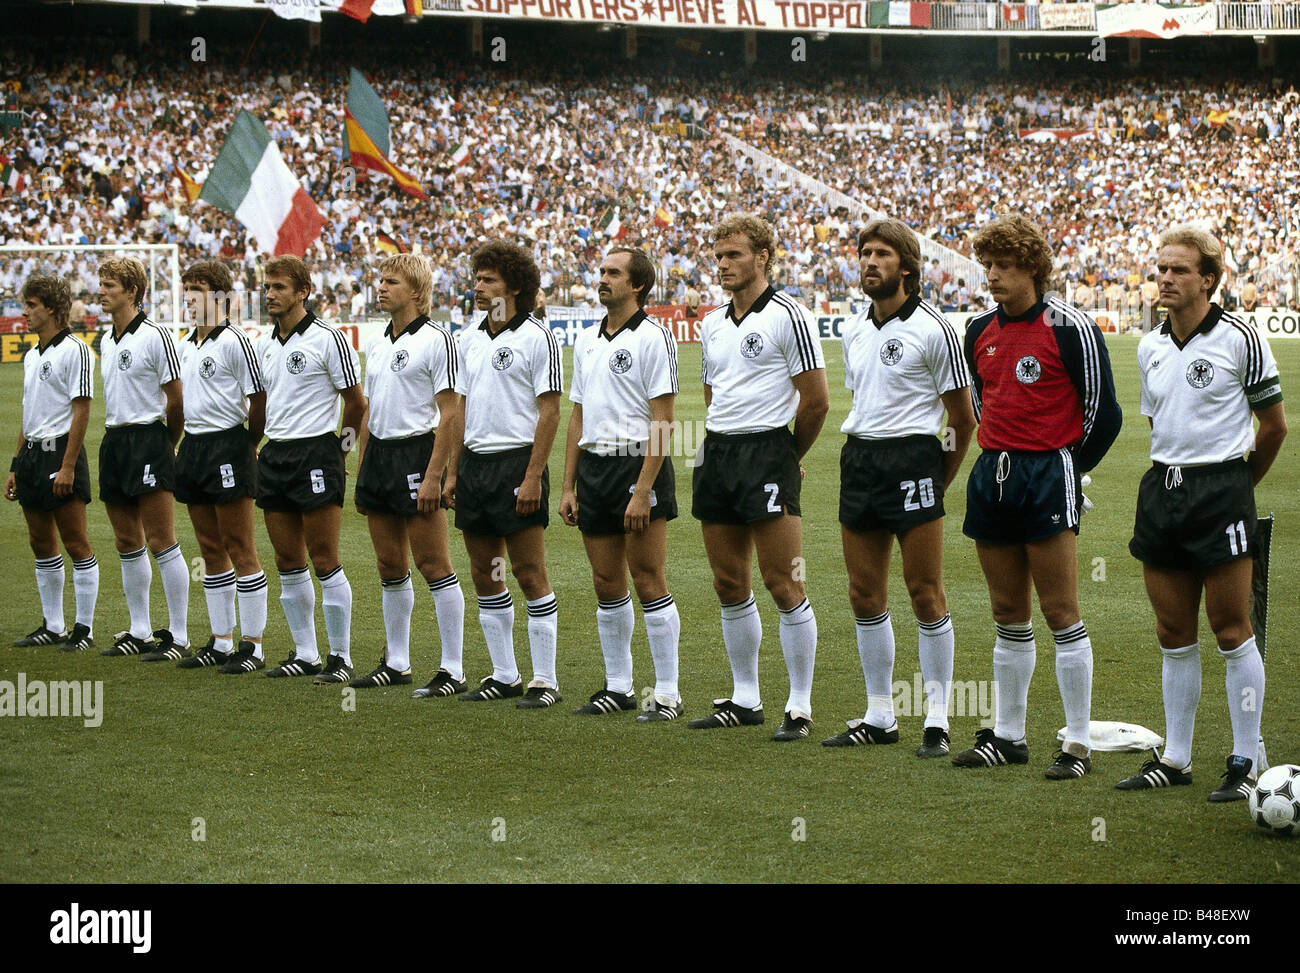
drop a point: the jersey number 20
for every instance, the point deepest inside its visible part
(924, 487)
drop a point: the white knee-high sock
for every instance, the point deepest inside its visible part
(1013, 667)
(250, 591)
(1074, 679)
(50, 577)
(614, 623)
(934, 648)
(742, 633)
(137, 577)
(1180, 677)
(798, 631)
(336, 604)
(449, 607)
(543, 632)
(175, 574)
(1245, 683)
(398, 601)
(876, 652)
(298, 599)
(496, 616)
(663, 629)
(85, 585)
(219, 592)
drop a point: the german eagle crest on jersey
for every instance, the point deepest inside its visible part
(207, 367)
(1200, 373)
(46, 369)
(752, 345)
(892, 352)
(123, 360)
(503, 359)
(399, 361)
(1028, 371)
(296, 362)
(620, 361)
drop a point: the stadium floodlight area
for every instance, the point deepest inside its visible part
(79, 263)
(956, 265)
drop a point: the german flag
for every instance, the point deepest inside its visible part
(365, 135)
(387, 244)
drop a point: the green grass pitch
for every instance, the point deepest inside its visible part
(291, 786)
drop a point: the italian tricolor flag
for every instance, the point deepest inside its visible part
(250, 181)
(10, 178)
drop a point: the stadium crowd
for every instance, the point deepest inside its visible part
(553, 153)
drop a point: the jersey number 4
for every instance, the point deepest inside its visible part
(923, 487)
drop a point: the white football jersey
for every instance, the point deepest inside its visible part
(52, 377)
(217, 375)
(614, 379)
(1200, 394)
(749, 363)
(501, 377)
(403, 374)
(304, 374)
(897, 370)
(135, 368)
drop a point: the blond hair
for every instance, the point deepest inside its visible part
(413, 269)
(754, 228)
(130, 273)
(1206, 246)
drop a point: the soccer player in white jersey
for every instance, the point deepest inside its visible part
(216, 467)
(511, 378)
(903, 363)
(49, 476)
(137, 459)
(763, 366)
(410, 385)
(619, 489)
(307, 368)
(1205, 373)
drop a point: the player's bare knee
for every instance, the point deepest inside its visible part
(389, 567)
(324, 562)
(1059, 618)
(434, 568)
(928, 601)
(649, 585)
(730, 591)
(785, 591)
(78, 548)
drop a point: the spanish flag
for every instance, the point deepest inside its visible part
(1217, 118)
(387, 244)
(192, 188)
(663, 217)
(365, 135)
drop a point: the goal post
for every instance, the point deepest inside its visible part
(79, 264)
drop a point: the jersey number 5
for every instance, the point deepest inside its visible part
(413, 482)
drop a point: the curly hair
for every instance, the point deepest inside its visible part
(52, 291)
(754, 228)
(1015, 236)
(130, 273)
(899, 237)
(516, 267)
(1203, 244)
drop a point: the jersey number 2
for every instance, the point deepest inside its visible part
(772, 491)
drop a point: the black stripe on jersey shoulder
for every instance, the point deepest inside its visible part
(250, 356)
(1254, 348)
(169, 350)
(670, 344)
(957, 360)
(802, 333)
(344, 350)
(553, 355)
(450, 353)
(86, 359)
(1059, 314)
